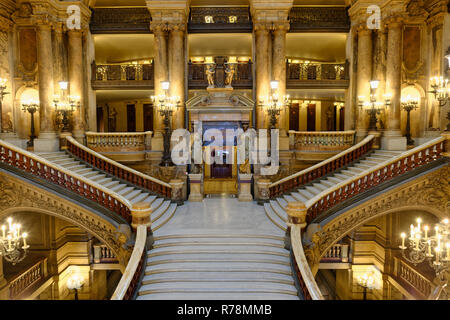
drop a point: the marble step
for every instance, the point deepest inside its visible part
(218, 286)
(225, 248)
(258, 274)
(326, 183)
(320, 186)
(140, 197)
(219, 257)
(157, 214)
(305, 193)
(150, 198)
(133, 194)
(222, 238)
(125, 191)
(156, 203)
(217, 296)
(216, 263)
(313, 190)
(278, 210)
(111, 184)
(283, 203)
(335, 180)
(248, 269)
(119, 187)
(274, 218)
(165, 218)
(82, 171)
(299, 197)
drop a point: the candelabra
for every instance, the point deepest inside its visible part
(65, 105)
(31, 106)
(409, 104)
(423, 247)
(166, 104)
(10, 247)
(274, 104)
(373, 108)
(75, 282)
(441, 92)
(366, 281)
(2, 94)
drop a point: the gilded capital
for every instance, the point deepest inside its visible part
(158, 28)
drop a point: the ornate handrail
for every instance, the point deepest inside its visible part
(319, 170)
(129, 282)
(118, 141)
(53, 173)
(122, 172)
(385, 171)
(122, 72)
(322, 140)
(316, 71)
(23, 281)
(308, 285)
(413, 278)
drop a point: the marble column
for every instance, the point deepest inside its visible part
(262, 71)
(160, 71)
(279, 70)
(47, 140)
(364, 75)
(75, 62)
(176, 69)
(379, 68)
(58, 58)
(393, 139)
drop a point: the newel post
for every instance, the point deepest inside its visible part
(446, 135)
(141, 215)
(296, 212)
(177, 190)
(376, 140)
(262, 193)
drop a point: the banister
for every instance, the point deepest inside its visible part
(128, 283)
(92, 133)
(375, 181)
(308, 284)
(325, 162)
(36, 272)
(116, 164)
(67, 183)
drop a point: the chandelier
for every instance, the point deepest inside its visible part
(274, 104)
(10, 245)
(423, 246)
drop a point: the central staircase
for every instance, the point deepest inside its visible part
(275, 209)
(162, 210)
(218, 267)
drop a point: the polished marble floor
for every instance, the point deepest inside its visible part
(220, 216)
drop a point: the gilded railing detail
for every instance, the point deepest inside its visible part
(118, 141)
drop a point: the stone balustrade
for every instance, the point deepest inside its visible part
(322, 140)
(27, 279)
(115, 76)
(119, 141)
(337, 253)
(316, 74)
(102, 254)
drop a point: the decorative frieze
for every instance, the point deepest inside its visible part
(120, 20)
(219, 19)
(331, 19)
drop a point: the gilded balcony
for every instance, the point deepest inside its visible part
(132, 76)
(317, 75)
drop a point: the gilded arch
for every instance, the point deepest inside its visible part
(17, 195)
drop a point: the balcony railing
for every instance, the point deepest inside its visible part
(322, 140)
(122, 76)
(242, 78)
(337, 253)
(317, 75)
(102, 254)
(118, 141)
(26, 280)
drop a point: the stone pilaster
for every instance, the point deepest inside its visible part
(47, 140)
(160, 70)
(262, 38)
(279, 70)
(364, 75)
(196, 187)
(177, 71)
(393, 139)
(245, 182)
(75, 62)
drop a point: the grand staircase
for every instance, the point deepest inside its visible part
(162, 210)
(275, 209)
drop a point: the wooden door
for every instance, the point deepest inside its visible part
(341, 119)
(100, 120)
(293, 117)
(148, 117)
(311, 117)
(131, 118)
(221, 171)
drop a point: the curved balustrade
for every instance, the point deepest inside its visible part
(129, 282)
(42, 168)
(321, 169)
(405, 162)
(323, 140)
(118, 141)
(120, 171)
(307, 283)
